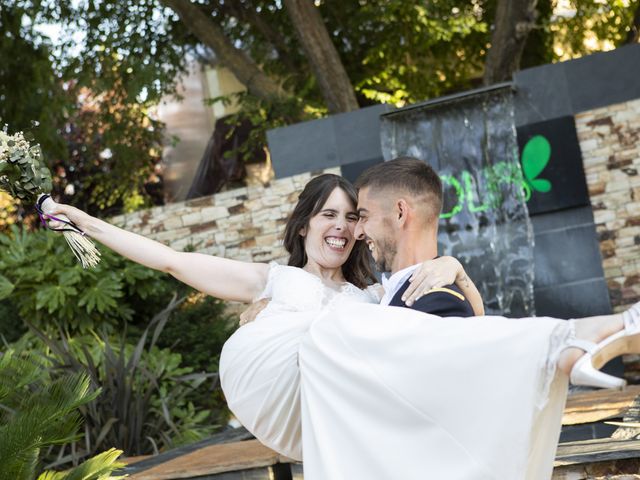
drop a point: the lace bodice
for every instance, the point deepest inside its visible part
(294, 289)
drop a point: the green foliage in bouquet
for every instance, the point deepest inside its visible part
(23, 173)
(38, 412)
(41, 282)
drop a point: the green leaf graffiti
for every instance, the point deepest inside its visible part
(535, 157)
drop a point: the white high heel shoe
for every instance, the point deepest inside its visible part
(586, 370)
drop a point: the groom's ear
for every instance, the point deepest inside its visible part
(402, 211)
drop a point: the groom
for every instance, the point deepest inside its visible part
(399, 203)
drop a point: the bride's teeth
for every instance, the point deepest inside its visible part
(336, 243)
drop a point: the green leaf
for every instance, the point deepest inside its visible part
(6, 287)
(53, 297)
(541, 185)
(535, 156)
(101, 297)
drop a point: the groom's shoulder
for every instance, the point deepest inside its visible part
(447, 301)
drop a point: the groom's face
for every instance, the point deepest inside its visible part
(375, 227)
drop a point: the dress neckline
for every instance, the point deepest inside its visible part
(336, 287)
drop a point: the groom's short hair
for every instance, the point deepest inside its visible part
(405, 174)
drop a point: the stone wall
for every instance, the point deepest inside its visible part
(610, 143)
(242, 224)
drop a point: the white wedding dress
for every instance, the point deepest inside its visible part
(372, 392)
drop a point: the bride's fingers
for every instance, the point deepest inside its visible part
(56, 215)
(414, 282)
(52, 223)
(419, 287)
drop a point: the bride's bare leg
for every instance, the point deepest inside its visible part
(595, 329)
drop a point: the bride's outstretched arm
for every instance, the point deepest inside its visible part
(438, 273)
(216, 276)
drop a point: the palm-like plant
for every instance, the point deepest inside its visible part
(36, 412)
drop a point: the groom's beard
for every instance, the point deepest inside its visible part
(387, 251)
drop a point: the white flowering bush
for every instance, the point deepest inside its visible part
(23, 173)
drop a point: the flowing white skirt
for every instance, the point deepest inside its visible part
(376, 392)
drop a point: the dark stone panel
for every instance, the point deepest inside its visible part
(352, 171)
(303, 147)
(567, 88)
(340, 139)
(573, 300)
(604, 78)
(561, 165)
(566, 255)
(561, 219)
(358, 134)
(541, 94)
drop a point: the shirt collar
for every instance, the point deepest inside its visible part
(392, 283)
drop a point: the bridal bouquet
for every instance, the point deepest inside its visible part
(24, 175)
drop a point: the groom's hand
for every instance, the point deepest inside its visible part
(250, 314)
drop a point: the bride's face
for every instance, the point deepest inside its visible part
(329, 237)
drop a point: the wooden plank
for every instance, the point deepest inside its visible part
(213, 459)
(229, 436)
(588, 407)
(598, 450)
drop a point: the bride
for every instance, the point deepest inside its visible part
(381, 392)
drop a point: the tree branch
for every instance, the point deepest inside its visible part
(514, 20)
(249, 15)
(633, 36)
(209, 33)
(332, 77)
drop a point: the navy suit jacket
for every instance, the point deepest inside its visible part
(444, 302)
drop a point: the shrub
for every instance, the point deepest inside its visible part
(41, 281)
(145, 402)
(197, 331)
(38, 412)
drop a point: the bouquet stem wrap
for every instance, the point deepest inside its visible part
(81, 246)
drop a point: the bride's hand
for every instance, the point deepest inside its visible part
(432, 274)
(438, 273)
(64, 212)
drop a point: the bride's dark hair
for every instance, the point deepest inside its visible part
(357, 268)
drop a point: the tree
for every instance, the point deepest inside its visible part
(299, 59)
(322, 54)
(593, 26)
(633, 35)
(211, 35)
(513, 22)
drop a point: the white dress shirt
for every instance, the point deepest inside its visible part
(393, 283)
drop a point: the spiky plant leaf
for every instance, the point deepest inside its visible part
(99, 467)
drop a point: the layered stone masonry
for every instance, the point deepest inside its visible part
(243, 224)
(610, 143)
